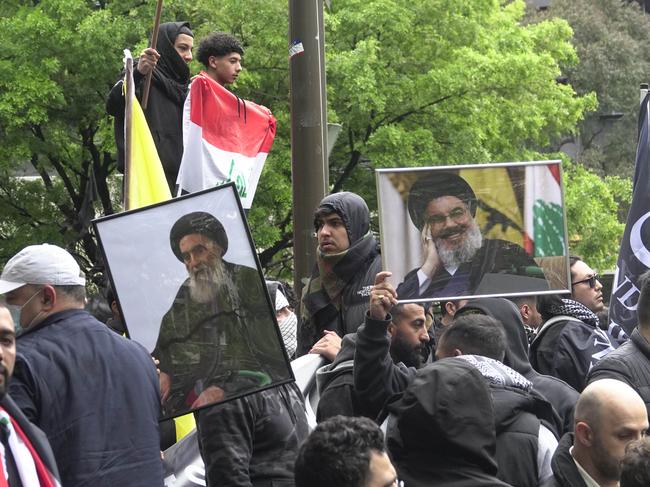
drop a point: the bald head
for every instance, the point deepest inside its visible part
(605, 397)
(609, 415)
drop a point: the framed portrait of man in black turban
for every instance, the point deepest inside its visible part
(468, 231)
(190, 290)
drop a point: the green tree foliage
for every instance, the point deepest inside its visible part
(592, 204)
(436, 82)
(611, 39)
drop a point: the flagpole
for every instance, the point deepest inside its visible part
(154, 41)
(128, 123)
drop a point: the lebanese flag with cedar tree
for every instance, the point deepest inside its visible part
(543, 213)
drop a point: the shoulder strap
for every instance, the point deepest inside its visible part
(549, 324)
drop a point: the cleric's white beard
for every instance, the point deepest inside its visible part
(465, 251)
(207, 282)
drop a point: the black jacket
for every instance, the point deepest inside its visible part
(561, 396)
(441, 431)
(253, 441)
(376, 377)
(498, 267)
(358, 269)
(335, 383)
(629, 363)
(95, 395)
(565, 471)
(164, 111)
(568, 349)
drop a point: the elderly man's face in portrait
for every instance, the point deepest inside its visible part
(203, 261)
(453, 229)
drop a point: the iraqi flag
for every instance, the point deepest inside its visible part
(543, 214)
(225, 139)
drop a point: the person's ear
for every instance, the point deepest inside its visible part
(584, 434)
(450, 308)
(392, 329)
(49, 297)
(457, 352)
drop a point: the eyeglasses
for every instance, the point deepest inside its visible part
(592, 280)
(456, 214)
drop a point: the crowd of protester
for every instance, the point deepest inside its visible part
(532, 391)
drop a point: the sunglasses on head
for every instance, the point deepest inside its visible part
(590, 280)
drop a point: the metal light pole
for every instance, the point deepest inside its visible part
(309, 166)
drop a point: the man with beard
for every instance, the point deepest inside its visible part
(168, 63)
(214, 340)
(609, 415)
(26, 455)
(408, 336)
(457, 259)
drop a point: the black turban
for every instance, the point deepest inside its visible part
(198, 222)
(435, 185)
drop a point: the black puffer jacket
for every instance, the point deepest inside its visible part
(441, 431)
(629, 363)
(164, 111)
(357, 270)
(561, 396)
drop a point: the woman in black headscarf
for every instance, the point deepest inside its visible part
(169, 83)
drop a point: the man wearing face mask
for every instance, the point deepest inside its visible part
(286, 318)
(164, 113)
(93, 392)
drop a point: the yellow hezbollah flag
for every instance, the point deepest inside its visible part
(147, 183)
(499, 214)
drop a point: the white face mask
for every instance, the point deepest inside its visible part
(16, 311)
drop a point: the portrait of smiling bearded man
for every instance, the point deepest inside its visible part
(218, 338)
(457, 259)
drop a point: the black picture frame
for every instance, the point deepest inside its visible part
(232, 343)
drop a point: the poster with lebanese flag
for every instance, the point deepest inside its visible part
(225, 138)
(543, 211)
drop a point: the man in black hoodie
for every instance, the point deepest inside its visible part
(169, 82)
(435, 435)
(517, 411)
(408, 338)
(561, 396)
(336, 295)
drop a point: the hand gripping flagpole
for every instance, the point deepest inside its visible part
(154, 41)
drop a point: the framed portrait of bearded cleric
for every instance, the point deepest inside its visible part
(190, 290)
(459, 232)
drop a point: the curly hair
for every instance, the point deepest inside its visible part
(218, 44)
(337, 453)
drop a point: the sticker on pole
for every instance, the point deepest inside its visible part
(296, 48)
